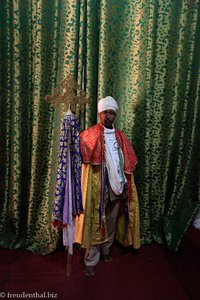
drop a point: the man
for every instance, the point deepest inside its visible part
(109, 194)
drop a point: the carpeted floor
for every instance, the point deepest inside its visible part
(152, 273)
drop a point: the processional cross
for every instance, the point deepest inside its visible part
(70, 94)
(67, 206)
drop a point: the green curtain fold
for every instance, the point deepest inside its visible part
(143, 53)
(32, 59)
(168, 173)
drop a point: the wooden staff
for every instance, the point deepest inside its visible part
(69, 256)
(69, 263)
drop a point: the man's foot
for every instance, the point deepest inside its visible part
(107, 258)
(89, 271)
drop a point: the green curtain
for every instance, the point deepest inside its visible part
(167, 124)
(143, 53)
(31, 47)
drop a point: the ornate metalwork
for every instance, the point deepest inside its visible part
(70, 94)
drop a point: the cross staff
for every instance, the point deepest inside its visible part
(73, 98)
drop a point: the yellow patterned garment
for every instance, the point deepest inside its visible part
(87, 224)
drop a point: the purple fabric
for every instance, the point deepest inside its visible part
(69, 140)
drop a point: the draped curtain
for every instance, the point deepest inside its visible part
(143, 53)
(31, 49)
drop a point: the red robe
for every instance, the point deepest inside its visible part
(92, 147)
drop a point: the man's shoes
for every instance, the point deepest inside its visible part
(90, 271)
(107, 258)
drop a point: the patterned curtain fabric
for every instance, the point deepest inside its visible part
(31, 49)
(143, 53)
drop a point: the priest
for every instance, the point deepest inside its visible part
(110, 201)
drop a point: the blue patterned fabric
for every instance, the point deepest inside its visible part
(69, 140)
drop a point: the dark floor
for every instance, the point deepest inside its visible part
(152, 273)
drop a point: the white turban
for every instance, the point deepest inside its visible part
(107, 103)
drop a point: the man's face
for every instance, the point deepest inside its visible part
(107, 117)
